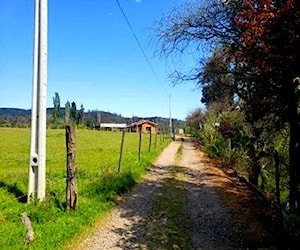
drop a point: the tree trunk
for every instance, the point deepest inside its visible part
(254, 170)
(254, 174)
(71, 189)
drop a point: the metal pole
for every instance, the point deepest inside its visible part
(37, 165)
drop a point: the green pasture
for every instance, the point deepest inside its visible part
(99, 183)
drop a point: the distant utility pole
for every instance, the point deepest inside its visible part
(170, 114)
(37, 165)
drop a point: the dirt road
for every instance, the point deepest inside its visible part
(185, 202)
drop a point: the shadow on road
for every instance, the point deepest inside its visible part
(216, 213)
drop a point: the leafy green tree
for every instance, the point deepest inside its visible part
(73, 112)
(5, 122)
(271, 54)
(216, 81)
(22, 122)
(56, 110)
(194, 121)
(89, 123)
(260, 41)
(67, 112)
(81, 115)
(97, 120)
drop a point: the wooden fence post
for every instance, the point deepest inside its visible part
(71, 189)
(150, 141)
(121, 151)
(140, 144)
(155, 142)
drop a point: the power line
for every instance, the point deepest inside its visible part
(140, 45)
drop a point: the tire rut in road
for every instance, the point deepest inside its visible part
(222, 213)
(125, 227)
(180, 204)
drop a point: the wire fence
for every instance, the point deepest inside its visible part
(13, 177)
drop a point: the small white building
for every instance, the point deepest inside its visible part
(114, 126)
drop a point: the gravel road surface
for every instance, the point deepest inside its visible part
(216, 211)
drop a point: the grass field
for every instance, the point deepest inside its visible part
(97, 154)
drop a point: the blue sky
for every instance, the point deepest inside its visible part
(93, 58)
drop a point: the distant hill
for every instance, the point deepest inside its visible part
(14, 112)
(21, 117)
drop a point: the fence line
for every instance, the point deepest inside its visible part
(13, 200)
(51, 183)
(63, 180)
(27, 158)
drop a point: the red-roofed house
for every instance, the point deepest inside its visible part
(144, 125)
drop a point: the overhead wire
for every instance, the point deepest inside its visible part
(140, 45)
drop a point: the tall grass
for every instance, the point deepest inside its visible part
(99, 183)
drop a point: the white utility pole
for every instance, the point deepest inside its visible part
(37, 164)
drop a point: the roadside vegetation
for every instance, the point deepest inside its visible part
(247, 67)
(99, 183)
(225, 136)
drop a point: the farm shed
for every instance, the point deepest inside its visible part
(114, 126)
(144, 125)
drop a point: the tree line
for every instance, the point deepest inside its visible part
(248, 69)
(93, 119)
(90, 119)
